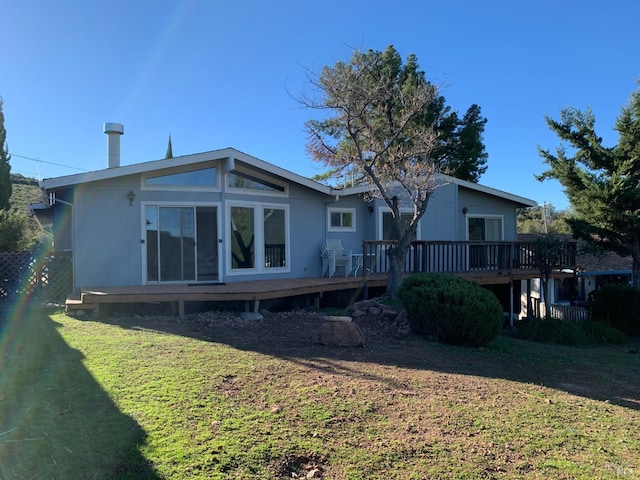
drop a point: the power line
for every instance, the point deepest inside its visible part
(48, 163)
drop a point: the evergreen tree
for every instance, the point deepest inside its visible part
(5, 167)
(462, 153)
(169, 153)
(12, 232)
(602, 183)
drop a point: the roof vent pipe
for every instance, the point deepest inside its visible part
(113, 131)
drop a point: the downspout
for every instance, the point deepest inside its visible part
(52, 201)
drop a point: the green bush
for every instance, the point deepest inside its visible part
(601, 333)
(452, 309)
(553, 330)
(619, 307)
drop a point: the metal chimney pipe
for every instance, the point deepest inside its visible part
(113, 131)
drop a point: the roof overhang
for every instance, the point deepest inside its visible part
(443, 179)
(225, 154)
(229, 155)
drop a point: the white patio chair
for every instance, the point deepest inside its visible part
(333, 256)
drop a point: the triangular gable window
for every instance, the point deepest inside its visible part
(243, 181)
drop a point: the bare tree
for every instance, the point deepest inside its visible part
(381, 128)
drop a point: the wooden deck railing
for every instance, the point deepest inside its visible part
(569, 313)
(460, 257)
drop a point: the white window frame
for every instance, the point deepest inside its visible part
(258, 225)
(341, 210)
(488, 216)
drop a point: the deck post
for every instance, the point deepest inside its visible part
(529, 304)
(181, 309)
(511, 302)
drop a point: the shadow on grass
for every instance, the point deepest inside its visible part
(604, 373)
(55, 420)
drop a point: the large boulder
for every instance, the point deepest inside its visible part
(339, 332)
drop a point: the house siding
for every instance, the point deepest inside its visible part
(107, 234)
(479, 203)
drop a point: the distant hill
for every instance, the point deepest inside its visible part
(25, 190)
(16, 178)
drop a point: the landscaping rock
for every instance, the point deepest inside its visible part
(339, 332)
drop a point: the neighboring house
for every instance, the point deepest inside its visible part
(225, 216)
(596, 270)
(576, 288)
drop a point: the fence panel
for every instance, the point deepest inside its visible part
(42, 279)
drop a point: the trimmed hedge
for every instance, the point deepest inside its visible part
(452, 309)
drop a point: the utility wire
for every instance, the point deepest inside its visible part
(48, 163)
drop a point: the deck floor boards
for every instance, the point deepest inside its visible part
(250, 291)
(256, 290)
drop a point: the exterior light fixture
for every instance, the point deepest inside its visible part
(131, 196)
(465, 210)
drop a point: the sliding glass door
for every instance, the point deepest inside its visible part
(182, 243)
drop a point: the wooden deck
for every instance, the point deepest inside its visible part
(251, 292)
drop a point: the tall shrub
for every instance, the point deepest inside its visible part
(454, 310)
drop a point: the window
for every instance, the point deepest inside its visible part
(564, 289)
(275, 235)
(206, 178)
(244, 181)
(242, 238)
(258, 238)
(181, 243)
(484, 229)
(388, 224)
(342, 219)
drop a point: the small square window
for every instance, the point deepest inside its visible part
(342, 219)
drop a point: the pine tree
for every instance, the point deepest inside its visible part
(5, 167)
(169, 153)
(461, 151)
(601, 183)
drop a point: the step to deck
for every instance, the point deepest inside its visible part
(75, 304)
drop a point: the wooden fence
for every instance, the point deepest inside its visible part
(40, 278)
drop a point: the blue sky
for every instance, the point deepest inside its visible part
(216, 74)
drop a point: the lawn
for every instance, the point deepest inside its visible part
(216, 397)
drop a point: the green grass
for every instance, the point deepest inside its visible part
(115, 399)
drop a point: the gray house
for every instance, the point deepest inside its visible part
(224, 216)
